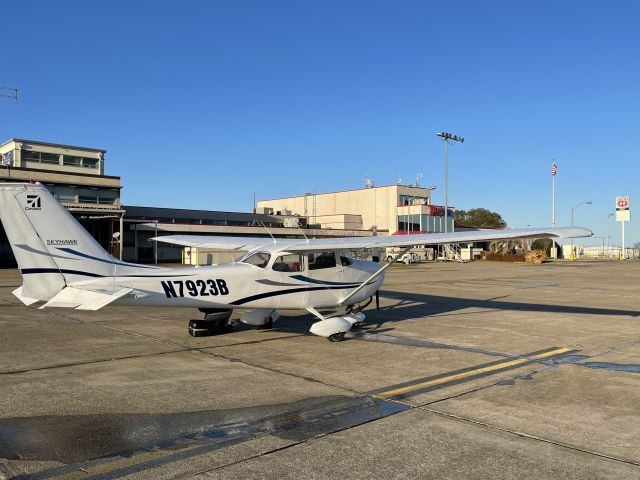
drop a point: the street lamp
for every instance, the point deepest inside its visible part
(446, 138)
(587, 202)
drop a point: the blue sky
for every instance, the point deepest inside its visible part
(202, 103)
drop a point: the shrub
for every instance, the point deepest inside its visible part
(535, 256)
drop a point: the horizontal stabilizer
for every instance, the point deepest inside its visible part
(82, 299)
(24, 299)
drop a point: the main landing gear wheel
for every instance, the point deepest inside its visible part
(215, 322)
(336, 337)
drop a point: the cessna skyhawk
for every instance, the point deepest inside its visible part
(63, 266)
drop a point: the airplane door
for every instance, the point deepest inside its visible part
(285, 275)
(324, 270)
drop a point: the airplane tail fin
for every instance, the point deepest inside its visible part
(52, 249)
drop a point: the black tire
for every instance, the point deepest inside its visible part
(268, 325)
(205, 328)
(336, 337)
(389, 259)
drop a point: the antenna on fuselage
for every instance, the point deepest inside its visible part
(265, 227)
(298, 225)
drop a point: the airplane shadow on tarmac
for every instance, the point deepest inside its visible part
(413, 305)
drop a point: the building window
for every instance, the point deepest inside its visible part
(412, 200)
(50, 158)
(71, 160)
(41, 157)
(107, 197)
(30, 156)
(90, 162)
(7, 158)
(88, 195)
(65, 194)
(409, 223)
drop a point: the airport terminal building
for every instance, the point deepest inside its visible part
(75, 175)
(388, 209)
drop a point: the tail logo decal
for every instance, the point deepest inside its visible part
(33, 202)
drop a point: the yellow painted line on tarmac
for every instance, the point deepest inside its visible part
(471, 373)
(122, 463)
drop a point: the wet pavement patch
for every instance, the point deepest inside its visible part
(618, 367)
(81, 439)
(572, 358)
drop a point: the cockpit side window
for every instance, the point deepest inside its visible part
(288, 263)
(346, 261)
(259, 259)
(321, 260)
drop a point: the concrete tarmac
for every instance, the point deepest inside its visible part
(478, 370)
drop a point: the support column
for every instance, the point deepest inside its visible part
(121, 233)
(135, 242)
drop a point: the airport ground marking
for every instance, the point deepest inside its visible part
(435, 382)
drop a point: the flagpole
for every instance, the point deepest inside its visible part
(553, 251)
(553, 196)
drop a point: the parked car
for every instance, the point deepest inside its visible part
(406, 258)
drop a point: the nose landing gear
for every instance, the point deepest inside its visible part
(335, 328)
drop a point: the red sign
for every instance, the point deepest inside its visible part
(622, 203)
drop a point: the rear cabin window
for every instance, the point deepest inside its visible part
(322, 260)
(346, 261)
(259, 259)
(288, 263)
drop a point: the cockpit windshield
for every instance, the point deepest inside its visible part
(259, 259)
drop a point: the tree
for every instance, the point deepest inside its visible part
(479, 218)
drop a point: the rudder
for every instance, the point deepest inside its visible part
(50, 246)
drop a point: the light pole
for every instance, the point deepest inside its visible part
(587, 202)
(446, 137)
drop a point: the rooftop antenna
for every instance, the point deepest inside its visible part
(368, 183)
(399, 180)
(9, 92)
(265, 227)
(418, 178)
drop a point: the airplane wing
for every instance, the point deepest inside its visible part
(302, 245)
(248, 244)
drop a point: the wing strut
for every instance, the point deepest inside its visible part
(376, 274)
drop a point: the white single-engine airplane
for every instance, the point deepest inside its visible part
(63, 266)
